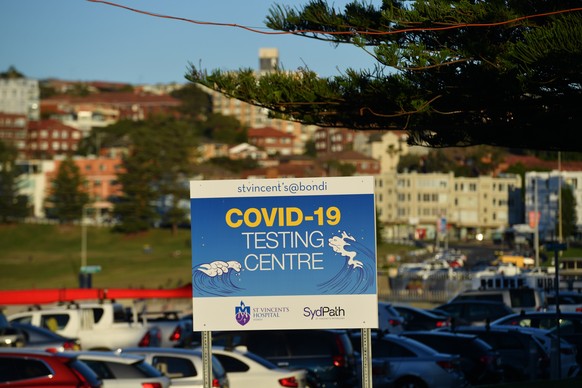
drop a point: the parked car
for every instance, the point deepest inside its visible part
(567, 354)
(389, 320)
(570, 325)
(99, 326)
(474, 312)
(123, 370)
(399, 362)
(172, 328)
(570, 301)
(248, 370)
(9, 336)
(524, 354)
(40, 338)
(327, 355)
(421, 319)
(190, 338)
(35, 368)
(479, 362)
(183, 366)
(518, 299)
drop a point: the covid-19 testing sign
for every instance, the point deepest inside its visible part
(284, 254)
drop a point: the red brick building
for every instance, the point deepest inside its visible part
(13, 129)
(47, 138)
(273, 141)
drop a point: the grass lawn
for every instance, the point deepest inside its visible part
(49, 256)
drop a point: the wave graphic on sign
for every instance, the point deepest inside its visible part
(216, 278)
(359, 272)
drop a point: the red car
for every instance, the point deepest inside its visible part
(36, 368)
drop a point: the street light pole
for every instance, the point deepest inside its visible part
(84, 238)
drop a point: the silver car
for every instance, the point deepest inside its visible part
(400, 362)
(183, 366)
(122, 370)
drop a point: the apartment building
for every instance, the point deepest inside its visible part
(101, 182)
(273, 141)
(33, 183)
(252, 116)
(20, 96)
(13, 131)
(413, 205)
(331, 140)
(542, 196)
(48, 138)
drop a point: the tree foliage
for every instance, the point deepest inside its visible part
(68, 196)
(156, 176)
(223, 129)
(195, 103)
(449, 72)
(12, 205)
(568, 217)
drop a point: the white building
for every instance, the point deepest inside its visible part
(542, 194)
(20, 96)
(33, 183)
(414, 205)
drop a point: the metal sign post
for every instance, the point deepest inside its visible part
(207, 358)
(366, 358)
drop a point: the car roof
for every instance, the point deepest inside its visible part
(526, 314)
(474, 301)
(439, 333)
(160, 350)
(499, 329)
(106, 356)
(40, 352)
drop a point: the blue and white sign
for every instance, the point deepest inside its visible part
(284, 253)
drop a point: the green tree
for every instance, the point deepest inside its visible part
(195, 103)
(12, 204)
(310, 149)
(11, 73)
(449, 72)
(68, 195)
(569, 218)
(223, 129)
(157, 172)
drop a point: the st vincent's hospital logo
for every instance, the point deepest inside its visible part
(242, 313)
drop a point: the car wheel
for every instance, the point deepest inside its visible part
(410, 382)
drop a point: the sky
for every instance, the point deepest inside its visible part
(82, 40)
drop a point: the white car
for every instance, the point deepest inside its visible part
(122, 370)
(248, 370)
(184, 367)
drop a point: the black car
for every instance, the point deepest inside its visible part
(570, 325)
(479, 361)
(521, 357)
(327, 355)
(420, 319)
(475, 312)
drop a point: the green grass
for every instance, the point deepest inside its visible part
(49, 256)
